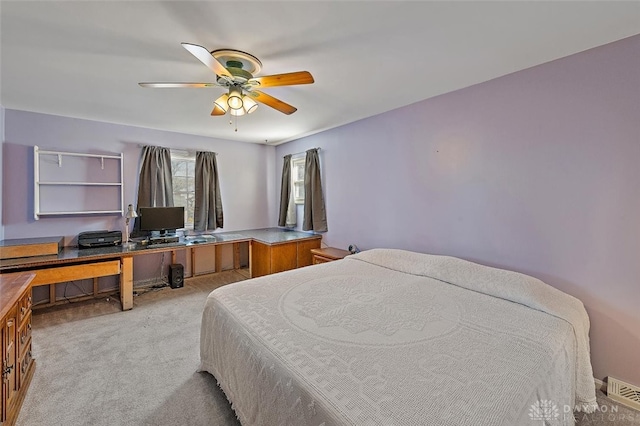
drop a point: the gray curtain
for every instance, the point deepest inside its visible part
(155, 186)
(208, 203)
(287, 205)
(315, 217)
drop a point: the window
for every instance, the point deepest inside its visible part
(297, 179)
(183, 168)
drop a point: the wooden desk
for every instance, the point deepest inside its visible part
(72, 263)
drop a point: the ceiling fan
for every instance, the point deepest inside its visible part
(235, 71)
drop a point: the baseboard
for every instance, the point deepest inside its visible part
(600, 385)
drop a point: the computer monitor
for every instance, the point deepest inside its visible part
(161, 219)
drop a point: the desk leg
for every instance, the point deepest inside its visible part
(193, 261)
(251, 259)
(218, 256)
(236, 256)
(126, 283)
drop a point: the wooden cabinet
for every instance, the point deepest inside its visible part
(9, 367)
(329, 254)
(271, 258)
(305, 258)
(15, 328)
(30, 247)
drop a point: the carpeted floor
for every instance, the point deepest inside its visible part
(97, 365)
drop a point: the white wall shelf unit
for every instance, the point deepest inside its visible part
(73, 183)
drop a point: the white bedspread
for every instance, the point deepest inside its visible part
(389, 337)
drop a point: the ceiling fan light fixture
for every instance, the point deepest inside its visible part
(237, 112)
(249, 104)
(222, 103)
(235, 98)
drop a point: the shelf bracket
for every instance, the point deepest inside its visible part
(59, 160)
(102, 162)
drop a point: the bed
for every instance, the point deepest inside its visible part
(391, 337)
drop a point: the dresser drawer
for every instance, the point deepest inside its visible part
(24, 335)
(24, 306)
(319, 259)
(25, 364)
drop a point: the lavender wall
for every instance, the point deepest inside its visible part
(536, 171)
(248, 198)
(246, 194)
(1, 140)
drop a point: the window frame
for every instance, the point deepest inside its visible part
(189, 194)
(297, 183)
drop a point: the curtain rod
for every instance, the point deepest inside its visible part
(303, 152)
(177, 150)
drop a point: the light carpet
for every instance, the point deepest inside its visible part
(97, 365)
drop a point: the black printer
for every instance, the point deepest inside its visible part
(91, 239)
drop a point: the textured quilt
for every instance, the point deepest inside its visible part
(390, 337)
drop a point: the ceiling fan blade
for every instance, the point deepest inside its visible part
(179, 85)
(206, 58)
(217, 110)
(288, 79)
(274, 103)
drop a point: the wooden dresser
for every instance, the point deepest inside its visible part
(15, 335)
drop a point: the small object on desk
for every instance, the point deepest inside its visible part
(104, 238)
(328, 254)
(197, 239)
(163, 245)
(131, 214)
(167, 239)
(140, 242)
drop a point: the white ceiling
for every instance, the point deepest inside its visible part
(84, 59)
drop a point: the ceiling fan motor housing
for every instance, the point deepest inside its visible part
(239, 75)
(241, 65)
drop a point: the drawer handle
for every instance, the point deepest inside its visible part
(26, 362)
(6, 370)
